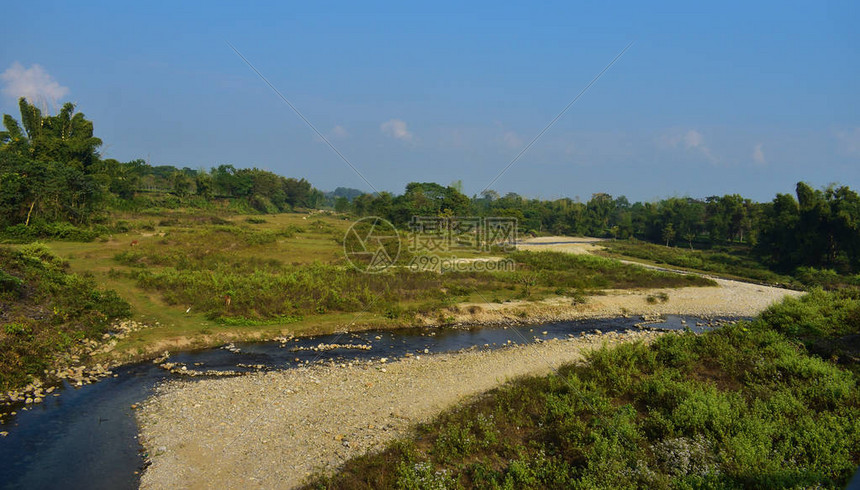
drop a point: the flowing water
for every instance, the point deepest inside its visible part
(87, 437)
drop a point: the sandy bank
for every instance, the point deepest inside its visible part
(271, 430)
(728, 298)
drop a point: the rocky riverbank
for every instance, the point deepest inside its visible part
(727, 299)
(73, 367)
(273, 429)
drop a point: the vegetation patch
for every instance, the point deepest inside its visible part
(733, 261)
(743, 406)
(45, 310)
(220, 271)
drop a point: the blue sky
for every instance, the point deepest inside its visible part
(737, 97)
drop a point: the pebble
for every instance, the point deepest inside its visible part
(315, 417)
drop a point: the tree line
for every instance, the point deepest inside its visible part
(51, 171)
(817, 228)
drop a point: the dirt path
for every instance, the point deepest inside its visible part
(729, 298)
(271, 430)
(574, 245)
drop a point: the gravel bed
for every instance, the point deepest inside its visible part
(273, 429)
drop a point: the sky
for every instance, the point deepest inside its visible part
(738, 97)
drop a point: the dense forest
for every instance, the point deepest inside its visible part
(51, 175)
(51, 171)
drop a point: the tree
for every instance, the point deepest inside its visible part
(599, 210)
(296, 191)
(46, 191)
(119, 178)
(490, 195)
(65, 138)
(181, 183)
(777, 242)
(668, 233)
(204, 184)
(845, 223)
(341, 204)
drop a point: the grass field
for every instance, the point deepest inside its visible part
(172, 325)
(731, 262)
(286, 274)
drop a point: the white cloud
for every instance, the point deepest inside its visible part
(694, 139)
(396, 128)
(512, 140)
(758, 155)
(691, 140)
(849, 141)
(34, 83)
(339, 132)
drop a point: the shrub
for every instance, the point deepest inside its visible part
(52, 231)
(53, 309)
(10, 283)
(740, 406)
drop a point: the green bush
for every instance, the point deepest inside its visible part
(10, 283)
(816, 314)
(824, 278)
(54, 309)
(743, 406)
(51, 231)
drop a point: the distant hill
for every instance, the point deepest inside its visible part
(346, 192)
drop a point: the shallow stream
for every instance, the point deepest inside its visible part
(87, 437)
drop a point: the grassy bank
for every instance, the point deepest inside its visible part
(286, 275)
(264, 289)
(730, 261)
(287, 271)
(46, 311)
(743, 406)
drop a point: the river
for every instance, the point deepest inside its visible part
(87, 437)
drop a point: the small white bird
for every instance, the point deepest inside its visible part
(189, 309)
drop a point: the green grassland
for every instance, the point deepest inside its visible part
(744, 406)
(286, 274)
(732, 262)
